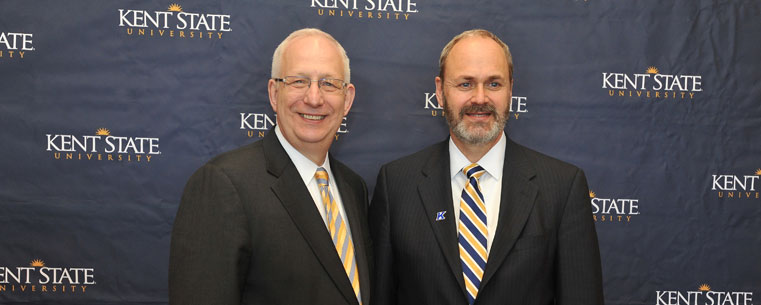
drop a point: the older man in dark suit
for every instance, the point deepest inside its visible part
(478, 218)
(279, 221)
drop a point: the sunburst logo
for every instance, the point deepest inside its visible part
(102, 132)
(592, 194)
(37, 263)
(758, 172)
(704, 287)
(652, 70)
(174, 7)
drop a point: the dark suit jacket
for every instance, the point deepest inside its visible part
(248, 232)
(545, 247)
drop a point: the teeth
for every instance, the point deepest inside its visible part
(312, 117)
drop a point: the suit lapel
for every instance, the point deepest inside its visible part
(297, 201)
(436, 176)
(351, 202)
(517, 200)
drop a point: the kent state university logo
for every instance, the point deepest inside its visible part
(102, 147)
(652, 85)
(618, 210)
(174, 23)
(518, 105)
(736, 186)
(257, 124)
(395, 10)
(704, 295)
(15, 45)
(39, 278)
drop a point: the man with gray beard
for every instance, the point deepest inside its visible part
(479, 218)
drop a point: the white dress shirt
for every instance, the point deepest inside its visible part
(306, 169)
(491, 182)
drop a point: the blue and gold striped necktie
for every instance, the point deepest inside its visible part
(339, 231)
(472, 232)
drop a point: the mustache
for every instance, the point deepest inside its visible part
(478, 108)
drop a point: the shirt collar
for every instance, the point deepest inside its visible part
(306, 167)
(493, 162)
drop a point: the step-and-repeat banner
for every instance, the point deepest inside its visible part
(107, 107)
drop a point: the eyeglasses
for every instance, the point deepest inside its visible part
(300, 84)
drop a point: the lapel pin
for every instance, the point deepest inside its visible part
(440, 215)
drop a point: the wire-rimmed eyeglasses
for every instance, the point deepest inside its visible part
(300, 84)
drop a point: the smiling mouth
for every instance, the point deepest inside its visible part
(312, 117)
(479, 114)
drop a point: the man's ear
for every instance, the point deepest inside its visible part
(510, 96)
(272, 92)
(440, 91)
(349, 98)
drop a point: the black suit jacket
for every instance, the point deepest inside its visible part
(248, 232)
(544, 250)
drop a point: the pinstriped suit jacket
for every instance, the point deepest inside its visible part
(545, 248)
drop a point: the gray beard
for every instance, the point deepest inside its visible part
(474, 137)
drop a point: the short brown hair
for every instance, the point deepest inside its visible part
(475, 33)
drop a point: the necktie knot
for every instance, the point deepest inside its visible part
(473, 171)
(321, 175)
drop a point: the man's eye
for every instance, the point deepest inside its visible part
(298, 82)
(465, 85)
(495, 85)
(328, 84)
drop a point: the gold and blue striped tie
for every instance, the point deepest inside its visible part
(472, 231)
(338, 231)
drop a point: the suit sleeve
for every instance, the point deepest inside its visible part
(579, 273)
(383, 283)
(210, 243)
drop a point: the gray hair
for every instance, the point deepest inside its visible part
(277, 58)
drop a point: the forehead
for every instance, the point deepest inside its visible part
(476, 56)
(312, 54)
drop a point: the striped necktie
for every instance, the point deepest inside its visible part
(338, 231)
(472, 231)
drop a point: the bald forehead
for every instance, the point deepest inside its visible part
(315, 42)
(476, 54)
(313, 48)
(312, 39)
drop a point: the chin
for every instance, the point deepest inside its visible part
(312, 137)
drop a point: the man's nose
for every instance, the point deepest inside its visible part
(313, 96)
(479, 96)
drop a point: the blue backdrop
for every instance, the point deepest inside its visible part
(107, 107)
